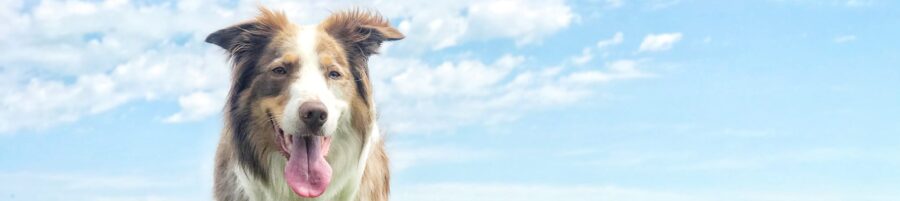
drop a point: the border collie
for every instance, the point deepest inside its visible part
(299, 118)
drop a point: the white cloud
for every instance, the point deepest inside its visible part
(77, 37)
(617, 70)
(150, 76)
(585, 57)
(618, 38)
(526, 21)
(587, 53)
(659, 42)
(441, 24)
(845, 39)
(196, 106)
(418, 97)
(42, 103)
(69, 59)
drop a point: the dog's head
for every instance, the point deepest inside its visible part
(296, 88)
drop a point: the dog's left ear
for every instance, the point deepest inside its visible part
(361, 32)
(252, 34)
(229, 37)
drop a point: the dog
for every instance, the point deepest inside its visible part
(300, 118)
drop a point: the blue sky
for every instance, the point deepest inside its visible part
(485, 100)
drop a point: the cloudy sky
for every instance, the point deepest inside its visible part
(675, 100)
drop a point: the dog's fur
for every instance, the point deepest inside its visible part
(249, 164)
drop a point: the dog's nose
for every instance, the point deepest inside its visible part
(313, 114)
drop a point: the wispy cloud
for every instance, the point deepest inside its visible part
(586, 56)
(617, 70)
(845, 38)
(587, 53)
(659, 42)
(618, 38)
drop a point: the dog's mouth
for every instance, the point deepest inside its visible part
(306, 172)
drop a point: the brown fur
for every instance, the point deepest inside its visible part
(256, 97)
(375, 184)
(361, 34)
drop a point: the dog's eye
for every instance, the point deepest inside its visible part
(279, 70)
(334, 75)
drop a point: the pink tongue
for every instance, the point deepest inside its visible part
(307, 172)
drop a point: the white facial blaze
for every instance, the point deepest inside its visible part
(310, 85)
